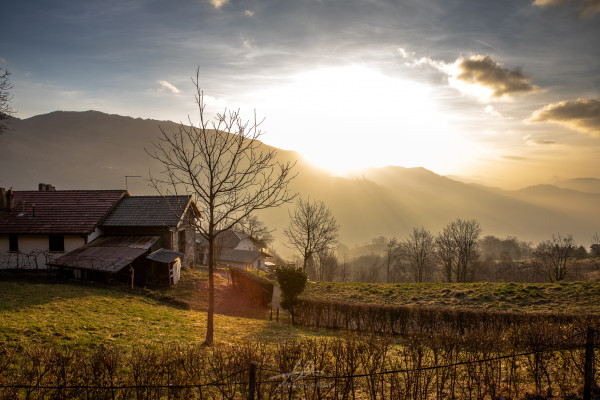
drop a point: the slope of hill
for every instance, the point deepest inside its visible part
(589, 185)
(93, 150)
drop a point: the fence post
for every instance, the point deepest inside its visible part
(589, 364)
(252, 381)
(277, 314)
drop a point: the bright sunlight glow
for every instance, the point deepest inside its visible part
(344, 119)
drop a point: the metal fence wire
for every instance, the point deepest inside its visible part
(305, 380)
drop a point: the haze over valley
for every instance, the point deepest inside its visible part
(94, 150)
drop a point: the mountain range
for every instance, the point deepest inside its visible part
(93, 150)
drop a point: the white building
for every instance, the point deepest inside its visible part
(233, 249)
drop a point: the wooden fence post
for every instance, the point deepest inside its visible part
(252, 381)
(277, 314)
(589, 364)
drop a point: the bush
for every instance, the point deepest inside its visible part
(260, 290)
(292, 282)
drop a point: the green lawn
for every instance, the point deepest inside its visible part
(563, 297)
(87, 315)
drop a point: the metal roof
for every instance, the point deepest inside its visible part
(107, 253)
(225, 239)
(150, 211)
(165, 256)
(243, 256)
(75, 212)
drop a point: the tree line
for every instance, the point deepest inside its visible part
(458, 253)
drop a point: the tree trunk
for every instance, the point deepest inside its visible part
(211, 292)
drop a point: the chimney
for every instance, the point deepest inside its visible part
(42, 187)
(46, 187)
(50, 188)
(3, 200)
(10, 199)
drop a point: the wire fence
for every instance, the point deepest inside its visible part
(426, 376)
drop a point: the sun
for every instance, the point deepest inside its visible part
(344, 119)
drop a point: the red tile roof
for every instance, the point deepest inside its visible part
(75, 212)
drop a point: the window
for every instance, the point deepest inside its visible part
(13, 242)
(56, 243)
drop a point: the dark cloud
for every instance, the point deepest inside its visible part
(484, 72)
(586, 9)
(582, 115)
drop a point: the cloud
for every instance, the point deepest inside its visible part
(586, 9)
(249, 13)
(485, 78)
(489, 109)
(542, 142)
(513, 158)
(218, 3)
(246, 43)
(582, 115)
(166, 85)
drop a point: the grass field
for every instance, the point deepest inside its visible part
(562, 297)
(90, 315)
(85, 314)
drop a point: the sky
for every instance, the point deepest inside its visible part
(505, 93)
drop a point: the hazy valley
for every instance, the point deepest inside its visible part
(93, 150)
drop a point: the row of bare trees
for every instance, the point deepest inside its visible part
(458, 254)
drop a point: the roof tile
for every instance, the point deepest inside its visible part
(58, 212)
(148, 211)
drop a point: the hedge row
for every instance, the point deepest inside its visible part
(410, 320)
(425, 367)
(260, 290)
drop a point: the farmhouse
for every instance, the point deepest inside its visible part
(37, 227)
(145, 239)
(98, 234)
(233, 249)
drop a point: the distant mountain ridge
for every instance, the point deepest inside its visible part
(93, 150)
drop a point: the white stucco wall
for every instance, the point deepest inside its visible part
(34, 251)
(245, 244)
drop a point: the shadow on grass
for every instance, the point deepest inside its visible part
(191, 292)
(18, 292)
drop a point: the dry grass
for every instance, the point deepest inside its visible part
(88, 315)
(562, 297)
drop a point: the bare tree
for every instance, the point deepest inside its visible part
(446, 252)
(419, 250)
(312, 229)
(328, 266)
(595, 246)
(253, 226)
(465, 234)
(457, 248)
(227, 170)
(5, 97)
(391, 250)
(556, 256)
